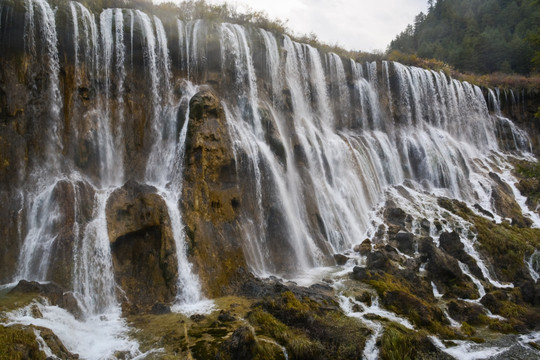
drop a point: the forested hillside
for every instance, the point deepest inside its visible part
(482, 36)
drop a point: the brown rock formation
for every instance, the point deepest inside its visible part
(212, 197)
(142, 245)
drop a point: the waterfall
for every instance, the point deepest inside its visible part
(43, 222)
(96, 293)
(320, 144)
(112, 51)
(341, 146)
(41, 42)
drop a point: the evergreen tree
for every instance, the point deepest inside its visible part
(477, 35)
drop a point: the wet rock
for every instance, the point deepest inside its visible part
(445, 271)
(405, 242)
(525, 284)
(483, 211)
(505, 204)
(364, 248)
(451, 243)
(52, 292)
(197, 318)
(142, 245)
(75, 202)
(241, 345)
(360, 273)
(20, 342)
(425, 224)
(11, 213)
(214, 201)
(378, 260)
(160, 309)
(13, 165)
(272, 135)
(56, 346)
(341, 259)
(463, 311)
(493, 301)
(438, 225)
(71, 304)
(226, 316)
(365, 297)
(395, 216)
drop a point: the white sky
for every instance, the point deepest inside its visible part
(354, 24)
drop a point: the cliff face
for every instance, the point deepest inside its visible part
(177, 160)
(522, 107)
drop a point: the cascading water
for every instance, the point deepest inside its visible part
(322, 144)
(99, 63)
(44, 220)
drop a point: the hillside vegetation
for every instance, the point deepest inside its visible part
(481, 36)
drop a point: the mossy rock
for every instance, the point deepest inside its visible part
(504, 245)
(18, 342)
(21, 342)
(412, 300)
(309, 329)
(398, 342)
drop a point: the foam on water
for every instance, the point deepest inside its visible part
(346, 304)
(191, 308)
(533, 265)
(97, 337)
(466, 350)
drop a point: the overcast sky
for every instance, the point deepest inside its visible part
(354, 24)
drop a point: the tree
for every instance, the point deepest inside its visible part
(477, 35)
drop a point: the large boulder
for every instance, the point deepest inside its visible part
(142, 245)
(451, 243)
(404, 242)
(52, 292)
(445, 272)
(212, 202)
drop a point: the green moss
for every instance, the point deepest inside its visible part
(528, 174)
(218, 333)
(299, 345)
(307, 329)
(402, 297)
(18, 342)
(400, 343)
(505, 245)
(10, 302)
(181, 336)
(503, 327)
(467, 329)
(396, 344)
(204, 350)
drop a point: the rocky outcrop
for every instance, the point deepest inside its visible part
(142, 245)
(21, 342)
(445, 271)
(504, 201)
(451, 243)
(212, 202)
(52, 292)
(522, 107)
